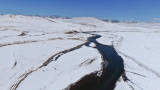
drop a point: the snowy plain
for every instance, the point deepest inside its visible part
(27, 42)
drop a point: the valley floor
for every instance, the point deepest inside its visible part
(38, 53)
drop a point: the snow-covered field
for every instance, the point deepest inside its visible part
(27, 43)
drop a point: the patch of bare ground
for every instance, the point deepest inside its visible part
(126, 79)
(72, 32)
(23, 33)
(14, 64)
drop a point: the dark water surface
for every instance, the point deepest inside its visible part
(113, 68)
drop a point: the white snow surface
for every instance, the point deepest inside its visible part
(26, 42)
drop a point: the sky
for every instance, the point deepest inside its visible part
(137, 10)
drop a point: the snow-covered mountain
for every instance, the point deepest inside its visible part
(44, 53)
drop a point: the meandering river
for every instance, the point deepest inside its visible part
(113, 68)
